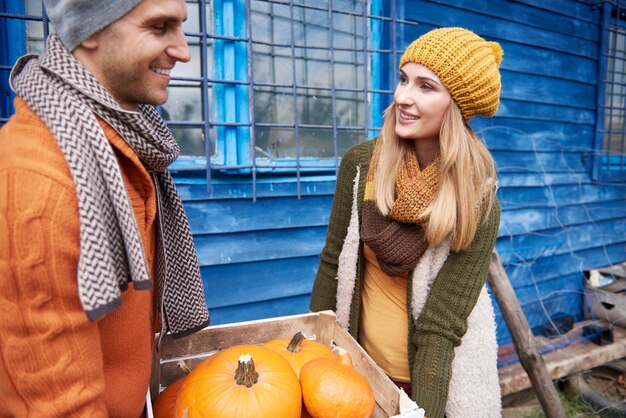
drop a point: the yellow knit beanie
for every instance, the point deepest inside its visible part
(465, 63)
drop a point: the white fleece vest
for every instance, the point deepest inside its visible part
(474, 387)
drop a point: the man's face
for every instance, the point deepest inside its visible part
(134, 55)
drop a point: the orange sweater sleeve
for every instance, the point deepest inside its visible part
(51, 359)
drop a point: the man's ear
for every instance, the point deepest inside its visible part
(91, 42)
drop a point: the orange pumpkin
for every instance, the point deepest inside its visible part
(298, 350)
(244, 381)
(164, 404)
(335, 389)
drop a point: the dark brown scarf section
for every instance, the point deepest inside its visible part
(398, 240)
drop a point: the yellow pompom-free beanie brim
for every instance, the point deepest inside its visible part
(465, 63)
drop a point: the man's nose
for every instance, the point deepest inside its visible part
(179, 50)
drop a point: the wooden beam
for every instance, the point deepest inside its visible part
(573, 357)
(523, 339)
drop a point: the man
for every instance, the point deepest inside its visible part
(90, 221)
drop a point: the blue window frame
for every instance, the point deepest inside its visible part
(274, 87)
(610, 159)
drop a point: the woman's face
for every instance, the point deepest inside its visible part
(421, 101)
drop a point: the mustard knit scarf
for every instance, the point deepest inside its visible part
(398, 240)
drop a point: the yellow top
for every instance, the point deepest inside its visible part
(384, 319)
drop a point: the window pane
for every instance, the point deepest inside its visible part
(312, 68)
(352, 6)
(311, 27)
(33, 7)
(191, 68)
(184, 103)
(350, 108)
(316, 142)
(348, 31)
(190, 140)
(615, 96)
(34, 29)
(349, 70)
(192, 24)
(274, 142)
(272, 65)
(273, 105)
(312, 61)
(271, 22)
(346, 139)
(315, 107)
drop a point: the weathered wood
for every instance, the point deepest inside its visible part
(523, 339)
(569, 359)
(618, 270)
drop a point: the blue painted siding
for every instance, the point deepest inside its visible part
(259, 259)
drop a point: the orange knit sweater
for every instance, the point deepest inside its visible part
(53, 361)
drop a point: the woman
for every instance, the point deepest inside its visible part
(412, 228)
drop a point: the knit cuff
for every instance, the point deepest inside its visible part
(432, 372)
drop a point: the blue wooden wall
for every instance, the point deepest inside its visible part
(259, 259)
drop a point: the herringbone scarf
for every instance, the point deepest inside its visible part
(398, 240)
(68, 98)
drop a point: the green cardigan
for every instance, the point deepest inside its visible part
(443, 320)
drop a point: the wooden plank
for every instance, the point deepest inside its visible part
(494, 29)
(583, 10)
(259, 245)
(530, 161)
(527, 15)
(508, 180)
(536, 60)
(555, 91)
(560, 296)
(527, 111)
(530, 271)
(522, 221)
(241, 283)
(563, 239)
(243, 190)
(568, 360)
(262, 309)
(506, 134)
(558, 195)
(238, 215)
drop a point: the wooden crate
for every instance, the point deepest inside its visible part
(322, 325)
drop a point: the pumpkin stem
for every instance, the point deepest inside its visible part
(295, 345)
(346, 359)
(245, 373)
(182, 365)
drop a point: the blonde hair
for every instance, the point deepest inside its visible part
(466, 180)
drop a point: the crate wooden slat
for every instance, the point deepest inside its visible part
(323, 325)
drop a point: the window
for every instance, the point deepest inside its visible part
(610, 162)
(273, 86)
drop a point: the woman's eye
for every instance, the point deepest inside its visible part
(426, 87)
(160, 27)
(403, 79)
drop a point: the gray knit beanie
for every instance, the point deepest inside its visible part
(76, 20)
